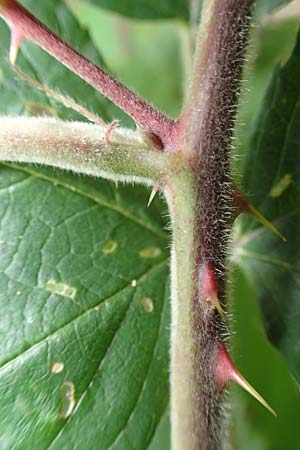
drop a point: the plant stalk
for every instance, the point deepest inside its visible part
(201, 204)
(82, 148)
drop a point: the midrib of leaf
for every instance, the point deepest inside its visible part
(98, 200)
(102, 303)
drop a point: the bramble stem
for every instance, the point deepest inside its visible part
(23, 25)
(201, 229)
(81, 148)
(182, 214)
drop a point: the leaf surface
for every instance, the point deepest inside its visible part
(271, 179)
(267, 6)
(169, 9)
(84, 285)
(267, 370)
(147, 9)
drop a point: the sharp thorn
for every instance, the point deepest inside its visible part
(239, 379)
(218, 305)
(209, 288)
(255, 213)
(226, 371)
(152, 195)
(15, 41)
(243, 204)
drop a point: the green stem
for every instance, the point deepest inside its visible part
(201, 200)
(182, 265)
(118, 154)
(197, 401)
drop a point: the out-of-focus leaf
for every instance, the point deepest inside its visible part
(130, 48)
(266, 6)
(169, 9)
(253, 427)
(147, 9)
(271, 45)
(162, 437)
(271, 179)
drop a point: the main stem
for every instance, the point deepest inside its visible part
(201, 203)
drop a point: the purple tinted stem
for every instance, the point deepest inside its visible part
(25, 24)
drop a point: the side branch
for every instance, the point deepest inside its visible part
(82, 148)
(23, 25)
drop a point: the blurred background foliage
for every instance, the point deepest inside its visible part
(152, 57)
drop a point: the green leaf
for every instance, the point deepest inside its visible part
(266, 369)
(84, 285)
(271, 179)
(267, 6)
(169, 9)
(84, 301)
(147, 9)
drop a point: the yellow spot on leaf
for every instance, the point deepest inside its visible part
(147, 303)
(68, 399)
(109, 247)
(150, 252)
(61, 289)
(279, 188)
(57, 367)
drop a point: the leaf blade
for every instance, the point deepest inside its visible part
(57, 327)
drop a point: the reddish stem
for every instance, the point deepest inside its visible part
(25, 26)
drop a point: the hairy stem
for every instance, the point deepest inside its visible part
(82, 148)
(182, 214)
(201, 239)
(25, 26)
